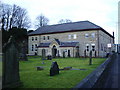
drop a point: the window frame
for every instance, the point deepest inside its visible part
(32, 38)
(74, 36)
(43, 37)
(86, 35)
(69, 36)
(48, 37)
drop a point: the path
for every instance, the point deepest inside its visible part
(113, 75)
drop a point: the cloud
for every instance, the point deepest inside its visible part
(100, 12)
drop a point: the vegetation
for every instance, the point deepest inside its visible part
(32, 78)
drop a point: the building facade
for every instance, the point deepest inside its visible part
(74, 39)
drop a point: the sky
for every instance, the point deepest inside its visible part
(101, 12)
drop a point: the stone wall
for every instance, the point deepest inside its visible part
(95, 37)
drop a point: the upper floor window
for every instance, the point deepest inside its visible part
(69, 36)
(93, 35)
(48, 37)
(36, 38)
(74, 36)
(43, 37)
(86, 35)
(32, 38)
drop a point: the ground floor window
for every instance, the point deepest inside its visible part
(32, 47)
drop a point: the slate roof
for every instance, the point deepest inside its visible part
(44, 45)
(68, 44)
(66, 27)
(62, 44)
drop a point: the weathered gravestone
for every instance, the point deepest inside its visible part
(39, 68)
(67, 68)
(63, 54)
(43, 54)
(90, 56)
(23, 55)
(85, 53)
(11, 78)
(54, 69)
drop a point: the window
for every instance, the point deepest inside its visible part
(32, 47)
(93, 35)
(36, 38)
(69, 36)
(35, 45)
(74, 36)
(86, 35)
(48, 37)
(32, 38)
(43, 37)
(87, 47)
(93, 48)
(101, 47)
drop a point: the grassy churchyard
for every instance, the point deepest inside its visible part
(32, 78)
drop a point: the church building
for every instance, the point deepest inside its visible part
(75, 39)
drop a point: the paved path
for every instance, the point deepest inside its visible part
(113, 79)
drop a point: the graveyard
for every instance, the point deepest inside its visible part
(71, 71)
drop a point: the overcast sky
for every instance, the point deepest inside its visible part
(101, 12)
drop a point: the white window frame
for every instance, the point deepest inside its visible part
(75, 36)
(69, 36)
(86, 35)
(93, 35)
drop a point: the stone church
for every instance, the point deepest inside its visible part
(74, 39)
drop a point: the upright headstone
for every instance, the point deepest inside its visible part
(85, 53)
(90, 56)
(63, 54)
(10, 76)
(54, 69)
(43, 54)
(23, 55)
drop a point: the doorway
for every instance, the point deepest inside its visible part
(54, 51)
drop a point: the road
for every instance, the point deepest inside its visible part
(113, 78)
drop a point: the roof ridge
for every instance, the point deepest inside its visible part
(66, 23)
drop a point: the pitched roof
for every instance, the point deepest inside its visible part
(62, 44)
(44, 45)
(66, 27)
(68, 44)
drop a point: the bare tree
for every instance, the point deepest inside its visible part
(14, 16)
(64, 21)
(41, 21)
(19, 18)
(5, 14)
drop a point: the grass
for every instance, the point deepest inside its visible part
(32, 78)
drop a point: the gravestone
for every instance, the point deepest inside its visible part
(63, 54)
(90, 56)
(23, 55)
(11, 78)
(67, 68)
(40, 68)
(85, 53)
(54, 69)
(43, 54)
